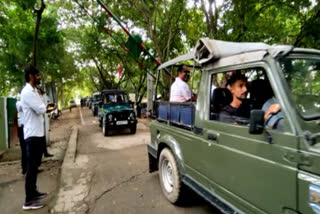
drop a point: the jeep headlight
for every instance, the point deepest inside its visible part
(314, 194)
(131, 115)
(314, 190)
(110, 117)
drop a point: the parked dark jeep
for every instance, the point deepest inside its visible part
(96, 99)
(115, 112)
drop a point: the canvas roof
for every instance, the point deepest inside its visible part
(212, 50)
(185, 57)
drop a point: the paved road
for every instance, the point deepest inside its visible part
(111, 174)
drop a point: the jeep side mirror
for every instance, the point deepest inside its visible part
(256, 122)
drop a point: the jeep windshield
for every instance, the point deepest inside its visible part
(96, 98)
(115, 98)
(302, 73)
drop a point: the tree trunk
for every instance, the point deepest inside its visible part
(211, 17)
(36, 32)
(306, 26)
(94, 83)
(105, 83)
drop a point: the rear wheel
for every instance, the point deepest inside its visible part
(100, 123)
(170, 179)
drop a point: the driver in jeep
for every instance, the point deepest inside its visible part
(237, 84)
(239, 109)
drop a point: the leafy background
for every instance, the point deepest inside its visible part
(73, 51)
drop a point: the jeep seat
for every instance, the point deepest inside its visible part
(260, 91)
(219, 98)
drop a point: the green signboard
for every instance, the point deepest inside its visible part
(12, 120)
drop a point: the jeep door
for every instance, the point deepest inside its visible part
(256, 173)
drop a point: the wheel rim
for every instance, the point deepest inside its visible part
(167, 175)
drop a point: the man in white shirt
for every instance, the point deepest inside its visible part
(180, 91)
(33, 110)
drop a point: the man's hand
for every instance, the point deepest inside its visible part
(273, 109)
(194, 97)
(51, 107)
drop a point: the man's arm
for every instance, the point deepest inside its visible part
(34, 102)
(273, 109)
(19, 106)
(51, 107)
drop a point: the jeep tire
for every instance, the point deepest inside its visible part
(133, 129)
(105, 130)
(170, 179)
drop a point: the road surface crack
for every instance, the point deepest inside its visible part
(118, 185)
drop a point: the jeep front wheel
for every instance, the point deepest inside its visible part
(105, 130)
(133, 129)
(95, 111)
(170, 179)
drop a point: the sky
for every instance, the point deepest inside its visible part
(191, 2)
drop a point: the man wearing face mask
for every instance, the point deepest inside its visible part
(180, 91)
(33, 110)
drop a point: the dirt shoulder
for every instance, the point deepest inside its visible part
(12, 181)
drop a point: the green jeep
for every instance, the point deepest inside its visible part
(115, 112)
(254, 161)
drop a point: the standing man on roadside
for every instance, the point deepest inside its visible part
(33, 110)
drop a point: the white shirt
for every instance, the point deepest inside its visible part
(20, 112)
(33, 110)
(179, 91)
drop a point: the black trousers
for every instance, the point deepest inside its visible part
(35, 147)
(23, 150)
